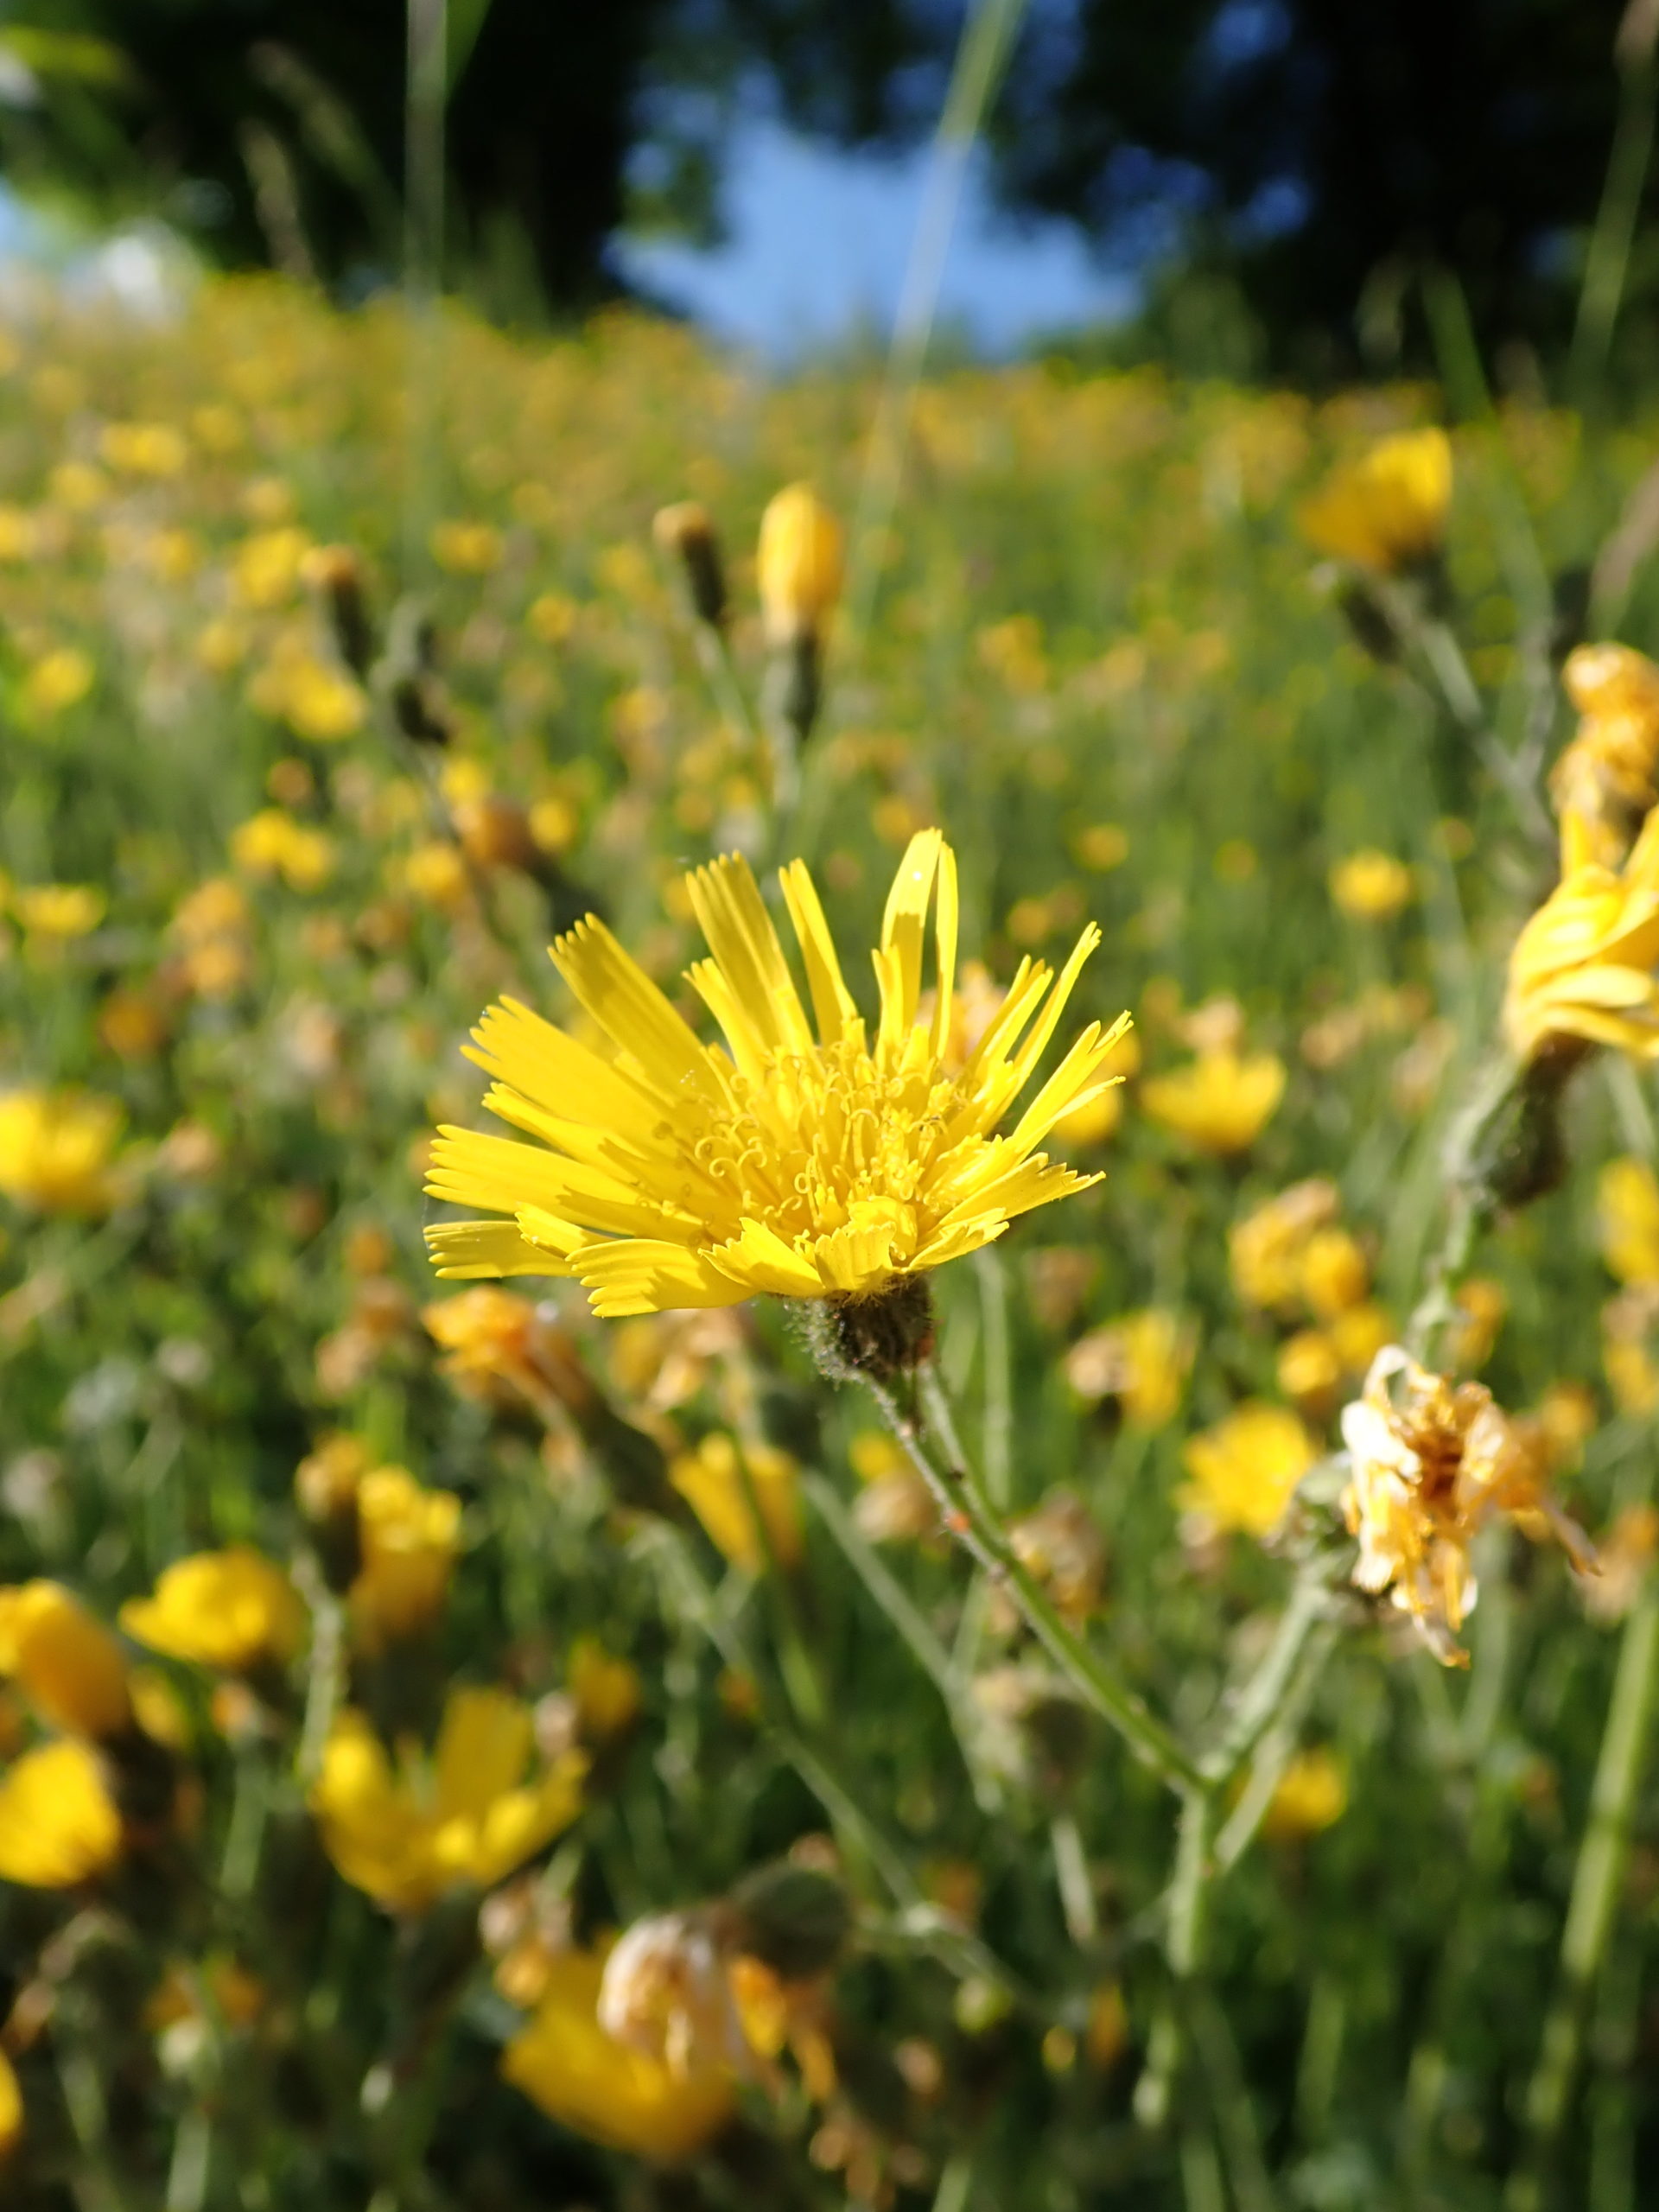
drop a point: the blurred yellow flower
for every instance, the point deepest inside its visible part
(1266, 1251)
(1100, 848)
(1310, 1794)
(57, 680)
(55, 1150)
(1335, 1275)
(234, 1609)
(467, 549)
(606, 1690)
(1245, 1469)
(59, 910)
(1309, 1370)
(1582, 969)
(1627, 1220)
(58, 1826)
(145, 448)
(712, 1481)
(565, 2063)
(1219, 1101)
(678, 1177)
(436, 873)
(406, 1835)
(1142, 1359)
(1607, 773)
(1370, 886)
(271, 842)
(798, 565)
(1386, 510)
(1431, 1462)
(68, 1665)
(266, 569)
(410, 1538)
(11, 2108)
(1481, 1305)
(316, 700)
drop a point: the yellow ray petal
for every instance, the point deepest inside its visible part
(637, 1274)
(832, 1002)
(464, 1251)
(732, 916)
(946, 923)
(614, 991)
(903, 933)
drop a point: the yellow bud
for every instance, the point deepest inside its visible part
(68, 1664)
(798, 564)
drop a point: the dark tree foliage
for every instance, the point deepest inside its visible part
(244, 102)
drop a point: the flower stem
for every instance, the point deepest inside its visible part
(969, 1518)
(1596, 1883)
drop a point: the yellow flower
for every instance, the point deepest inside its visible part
(1370, 886)
(272, 842)
(1142, 1360)
(467, 549)
(406, 1835)
(1627, 1220)
(606, 1690)
(59, 910)
(58, 1826)
(1245, 1469)
(566, 2063)
(1309, 1370)
(711, 1480)
(11, 2108)
(145, 448)
(1220, 1103)
(70, 1667)
(410, 1538)
(59, 679)
(798, 564)
(1386, 510)
(1583, 966)
(675, 1176)
(1310, 1794)
(55, 1150)
(1334, 1274)
(234, 1610)
(487, 1335)
(1431, 1462)
(1607, 773)
(267, 567)
(1266, 1251)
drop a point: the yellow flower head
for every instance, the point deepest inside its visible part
(1431, 1462)
(578, 2074)
(1386, 510)
(1310, 1794)
(58, 1826)
(59, 910)
(69, 1667)
(1245, 1469)
(410, 1538)
(798, 564)
(272, 842)
(55, 1150)
(675, 1174)
(1583, 966)
(1142, 1360)
(605, 1688)
(1220, 1103)
(408, 1835)
(1607, 773)
(712, 1482)
(1370, 886)
(232, 1610)
(1269, 1249)
(1627, 1220)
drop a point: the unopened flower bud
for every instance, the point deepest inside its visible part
(685, 531)
(798, 565)
(335, 572)
(795, 1919)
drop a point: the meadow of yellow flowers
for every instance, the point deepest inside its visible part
(694, 1576)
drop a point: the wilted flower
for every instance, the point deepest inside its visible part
(1582, 969)
(410, 1537)
(1386, 510)
(1060, 1545)
(1605, 774)
(68, 1665)
(1220, 1102)
(674, 1176)
(1370, 886)
(56, 1149)
(685, 530)
(1245, 1469)
(567, 2063)
(406, 1835)
(798, 564)
(234, 1609)
(666, 1992)
(1624, 1558)
(716, 1480)
(1432, 1461)
(58, 1826)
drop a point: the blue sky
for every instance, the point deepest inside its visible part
(816, 247)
